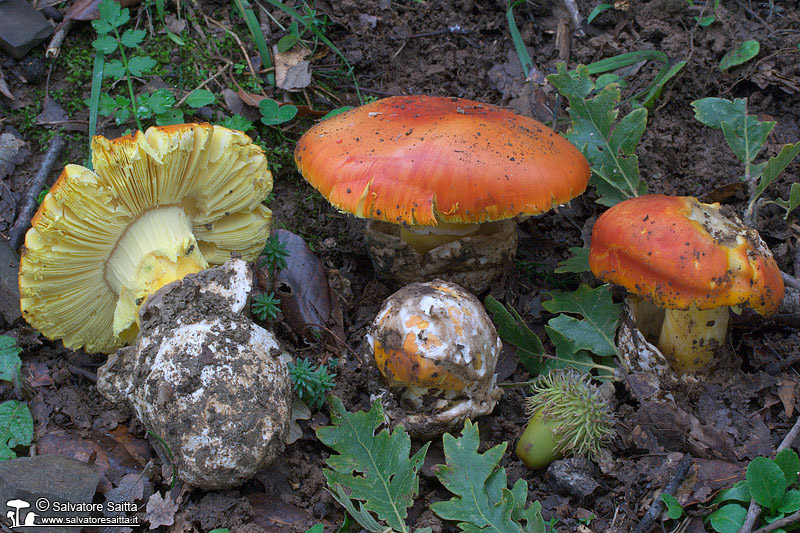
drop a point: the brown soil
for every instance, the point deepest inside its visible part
(405, 47)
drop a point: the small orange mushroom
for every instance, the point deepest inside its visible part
(690, 259)
(439, 167)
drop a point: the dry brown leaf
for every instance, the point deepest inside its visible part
(161, 512)
(87, 9)
(787, 392)
(292, 70)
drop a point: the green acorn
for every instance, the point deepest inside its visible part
(568, 416)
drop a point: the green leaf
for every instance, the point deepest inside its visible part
(316, 528)
(742, 54)
(109, 11)
(790, 502)
(16, 427)
(674, 509)
(139, 65)
(789, 463)
(482, 499)
(121, 115)
(102, 26)
(793, 202)
(114, 69)
(287, 42)
(106, 105)
(744, 133)
(237, 122)
(568, 354)
(10, 363)
(608, 148)
(728, 519)
(600, 317)
(596, 11)
(375, 467)
(775, 165)
(159, 101)
(767, 482)
(105, 43)
(334, 112)
(579, 262)
(132, 38)
(513, 330)
(199, 98)
(740, 492)
(519, 43)
(169, 117)
(272, 113)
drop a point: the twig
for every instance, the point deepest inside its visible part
(790, 280)
(754, 510)
(785, 521)
(575, 14)
(238, 41)
(17, 234)
(54, 48)
(658, 506)
(78, 371)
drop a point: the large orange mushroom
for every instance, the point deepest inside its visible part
(690, 259)
(432, 170)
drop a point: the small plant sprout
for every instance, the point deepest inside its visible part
(310, 385)
(274, 254)
(568, 416)
(265, 307)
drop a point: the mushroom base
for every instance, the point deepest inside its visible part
(472, 262)
(205, 379)
(689, 339)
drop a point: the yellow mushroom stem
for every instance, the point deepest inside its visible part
(688, 338)
(157, 248)
(426, 238)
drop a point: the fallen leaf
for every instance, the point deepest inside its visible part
(251, 99)
(87, 9)
(4, 90)
(787, 392)
(300, 411)
(131, 488)
(39, 374)
(272, 514)
(302, 287)
(52, 113)
(160, 512)
(292, 70)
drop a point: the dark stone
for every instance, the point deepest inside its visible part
(573, 476)
(21, 27)
(29, 481)
(9, 286)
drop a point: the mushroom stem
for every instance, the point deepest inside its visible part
(158, 248)
(688, 338)
(426, 238)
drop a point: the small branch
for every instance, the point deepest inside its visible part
(785, 521)
(23, 222)
(658, 506)
(575, 15)
(790, 280)
(755, 510)
(54, 48)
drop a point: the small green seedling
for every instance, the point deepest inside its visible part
(596, 11)
(274, 255)
(746, 136)
(568, 416)
(42, 194)
(310, 384)
(769, 483)
(705, 20)
(265, 307)
(674, 509)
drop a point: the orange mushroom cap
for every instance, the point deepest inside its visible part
(677, 252)
(420, 160)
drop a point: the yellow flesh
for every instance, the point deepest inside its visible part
(157, 248)
(688, 338)
(426, 238)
